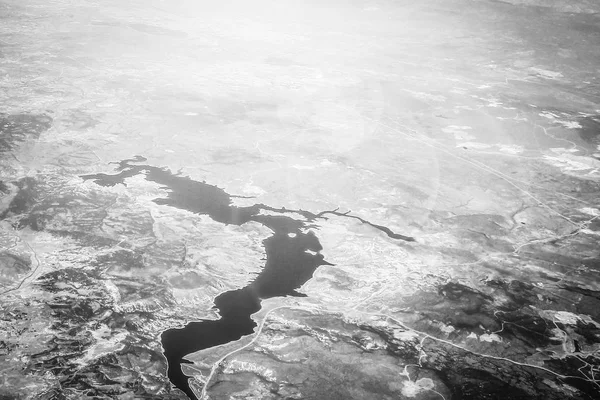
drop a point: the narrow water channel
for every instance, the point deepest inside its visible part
(293, 255)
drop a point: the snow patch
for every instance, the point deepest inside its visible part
(571, 164)
(566, 317)
(594, 212)
(491, 337)
(570, 124)
(459, 132)
(564, 123)
(474, 145)
(511, 149)
(303, 166)
(544, 73)
(412, 389)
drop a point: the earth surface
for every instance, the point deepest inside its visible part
(337, 199)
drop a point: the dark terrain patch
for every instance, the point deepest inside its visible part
(24, 200)
(12, 266)
(79, 304)
(78, 120)
(124, 259)
(477, 384)
(457, 305)
(510, 310)
(588, 302)
(32, 207)
(590, 129)
(16, 128)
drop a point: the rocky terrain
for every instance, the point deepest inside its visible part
(273, 200)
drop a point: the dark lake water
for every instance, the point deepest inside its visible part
(293, 255)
